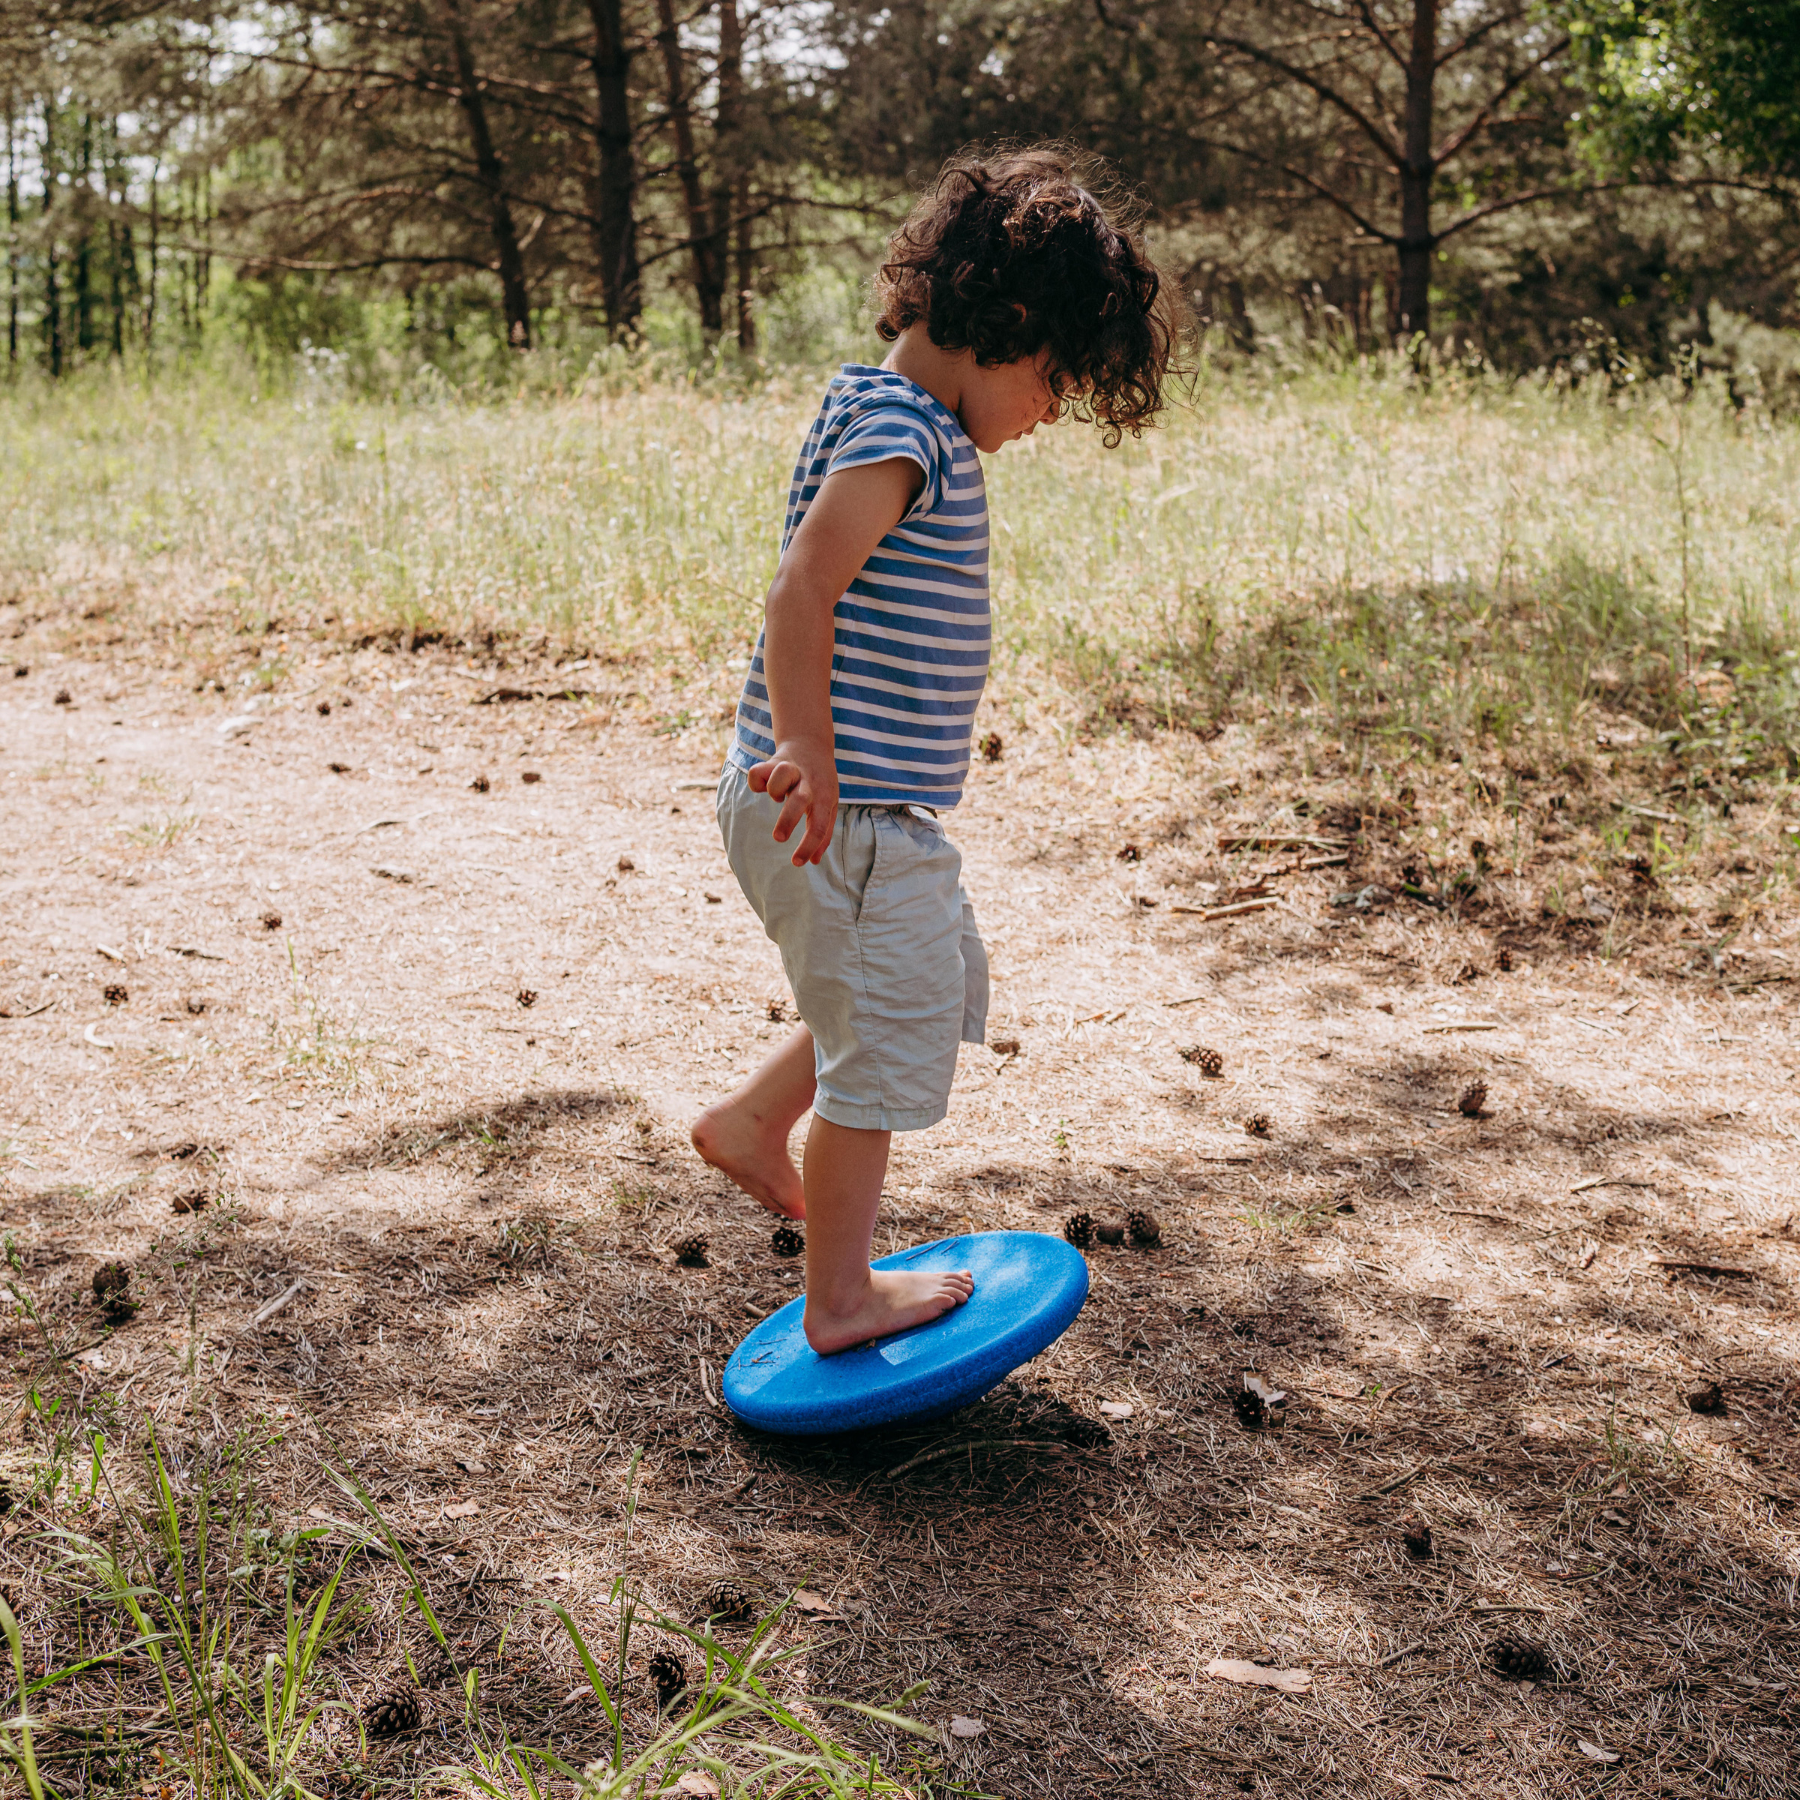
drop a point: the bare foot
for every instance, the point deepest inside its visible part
(893, 1300)
(754, 1154)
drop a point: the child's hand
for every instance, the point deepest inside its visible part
(802, 775)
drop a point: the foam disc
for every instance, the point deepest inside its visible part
(1028, 1288)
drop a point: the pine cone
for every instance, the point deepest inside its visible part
(526, 997)
(392, 1714)
(1109, 1233)
(1710, 1400)
(271, 920)
(1078, 1228)
(992, 749)
(1209, 1062)
(1474, 1098)
(1517, 1660)
(115, 993)
(731, 1601)
(1259, 1124)
(1129, 853)
(1085, 1433)
(691, 1250)
(668, 1675)
(479, 785)
(110, 1282)
(789, 1240)
(1504, 962)
(1251, 1408)
(1415, 1534)
(1142, 1228)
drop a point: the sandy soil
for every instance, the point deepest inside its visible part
(1488, 1324)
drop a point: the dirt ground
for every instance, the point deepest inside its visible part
(430, 1052)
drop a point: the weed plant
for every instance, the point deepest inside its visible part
(174, 1573)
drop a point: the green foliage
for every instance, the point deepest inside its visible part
(1708, 75)
(244, 1627)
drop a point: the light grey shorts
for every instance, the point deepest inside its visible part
(880, 948)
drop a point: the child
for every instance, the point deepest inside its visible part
(1010, 298)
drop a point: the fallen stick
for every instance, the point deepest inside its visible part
(1399, 1481)
(1466, 1025)
(274, 1306)
(1275, 840)
(1388, 1661)
(1581, 1187)
(1700, 1268)
(975, 1444)
(1261, 904)
(28, 1015)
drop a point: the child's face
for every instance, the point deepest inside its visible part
(1008, 401)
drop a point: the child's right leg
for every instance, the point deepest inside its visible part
(847, 1302)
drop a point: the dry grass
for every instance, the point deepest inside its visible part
(1478, 557)
(478, 1196)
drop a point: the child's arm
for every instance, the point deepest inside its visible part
(849, 516)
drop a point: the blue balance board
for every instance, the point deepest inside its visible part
(1028, 1289)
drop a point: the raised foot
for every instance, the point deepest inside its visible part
(737, 1144)
(894, 1300)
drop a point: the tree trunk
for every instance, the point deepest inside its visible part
(1417, 171)
(746, 268)
(53, 341)
(84, 250)
(615, 199)
(709, 262)
(12, 236)
(149, 326)
(515, 297)
(730, 169)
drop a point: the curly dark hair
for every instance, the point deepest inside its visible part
(1011, 253)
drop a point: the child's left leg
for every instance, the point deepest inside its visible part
(746, 1134)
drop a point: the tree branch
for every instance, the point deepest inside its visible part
(1382, 140)
(1460, 140)
(1473, 37)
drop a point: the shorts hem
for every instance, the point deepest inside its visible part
(878, 1118)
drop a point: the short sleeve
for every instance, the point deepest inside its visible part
(881, 433)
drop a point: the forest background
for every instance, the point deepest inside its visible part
(441, 181)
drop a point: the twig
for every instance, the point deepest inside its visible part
(1191, 1000)
(1581, 1187)
(1465, 1025)
(1275, 840)
(274, 1306)
(1700, 1268)
(973, 1444)
(1388, 1661)
(1649, 812)
(34, 1011)
(1229, 912)
(1399, 1481)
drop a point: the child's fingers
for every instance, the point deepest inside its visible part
(821, 821)
(793, 810)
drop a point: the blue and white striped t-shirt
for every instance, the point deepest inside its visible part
(910, 655)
